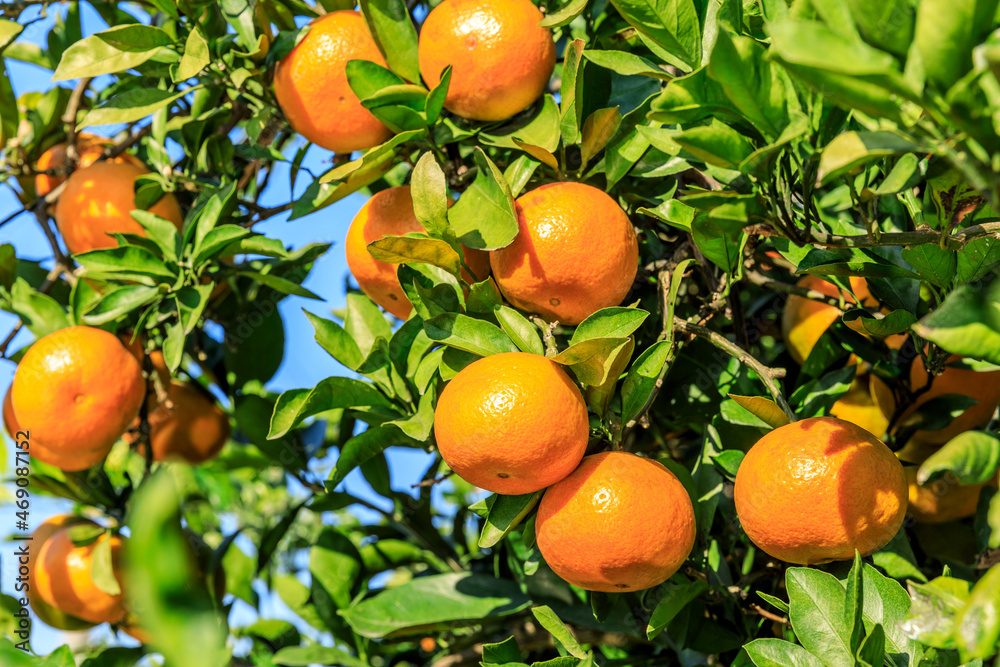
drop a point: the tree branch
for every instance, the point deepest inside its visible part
(955, 241)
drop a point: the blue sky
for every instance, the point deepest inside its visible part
(305, 363)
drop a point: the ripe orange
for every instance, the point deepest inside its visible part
(858, 407)
(312, 89)
(76, 390)
(804, 320)
(50, 615)
(194, 429)
(984, 387)
(501, 58)
(99, 200)
(64, 580)
(9, 421)
(942, 500)
(575, 253)
(390, 212)
(89, 148)
(815, 490)
(618, 523)
(512, 423)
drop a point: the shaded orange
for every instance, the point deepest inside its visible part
(942, 500)
(804, 321)
(99, 199)
(64, 580)
(575, 253)
(193, 429)
(501, 58)
(76, 390)
(9, 421)
(815, 490)
(49, 614)
(618, 523)
(89, 148)
(390, 212)
(312, 89)
(984, 387)
(512, 423)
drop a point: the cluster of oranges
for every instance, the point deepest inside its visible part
(79, 390)
(501, 62)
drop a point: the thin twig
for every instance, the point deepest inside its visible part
(955, 241)
(787, 288)
(69, 119)
(767, 375)
(432, 481)
(768, 614)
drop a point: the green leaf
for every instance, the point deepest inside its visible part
(977, 627)
(119, 302)
(977, 259)
(564, 15)
(850, 151)
(523, 333)
(779, 653)
(716, 144)
(365, 323)
(113, 50)
(962, 324)
(427, 602)
(570, 109)
(816, 610)
(217, 240)
(677, 593)
(597, 131)
(590, 359)
(468, 334)
(935, 264)
(196, 56)
(332, 338)
(501, 653)
(973, 457)
(364, 446)
(239, 14)
(905, 174)
(897, 558)
(303, 656)
(750, 82)
(539, 129)
(280, 284)
(669, 27)
(296, 405)
(335, 567)
(945, 34)
(609, 323)
(131, 106)
(886, 603)
(628, 144)
(763, 408)
(816, 397)
(394, 34)
(40, 313)
(641, 380)
(125, 263)
(484, 217)
(721, 243)
(599, 396)
(414, 249)
(505, 513)
(434, 103)
(853, 603)
(551, 622)
(872, 651)
(102, 570)
(627, 64)
(895, 322)
(430, 196)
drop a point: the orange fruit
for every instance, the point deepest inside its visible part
(858, 407)
(815, 490)
(312, 89)
(99, 199)
(9, 421)
(804, 321)
(617, 523)
(50, 615)
(390, 212)
(76, 390)
(63, 578)
(512, 423)
(194, 429)
(501, 58)
(89, 148)
(942, 500)
(575, 253)
(984, 387)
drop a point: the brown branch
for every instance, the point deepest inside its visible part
(767, 375)
(69, 119)
(786, 288)
(768, 614)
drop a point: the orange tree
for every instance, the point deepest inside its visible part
(609, 203)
